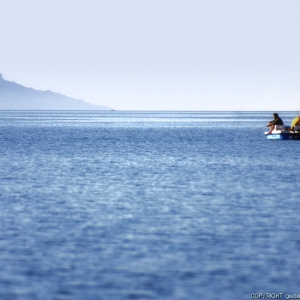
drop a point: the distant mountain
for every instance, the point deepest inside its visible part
(16, 96)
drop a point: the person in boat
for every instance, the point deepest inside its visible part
(275, 121)
(295, 122)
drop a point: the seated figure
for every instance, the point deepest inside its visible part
(295, 122)
(275, 121)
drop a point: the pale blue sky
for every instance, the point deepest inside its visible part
(157, 54)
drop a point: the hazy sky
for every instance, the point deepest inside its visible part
(157, 54)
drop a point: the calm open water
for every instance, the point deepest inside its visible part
(147, 205)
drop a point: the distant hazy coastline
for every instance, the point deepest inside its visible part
(14, 96)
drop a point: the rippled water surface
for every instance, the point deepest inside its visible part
(147, 205)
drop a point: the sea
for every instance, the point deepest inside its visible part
(164, 205)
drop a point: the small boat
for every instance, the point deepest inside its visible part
(282, 132)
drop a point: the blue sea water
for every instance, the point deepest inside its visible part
(147, 205)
